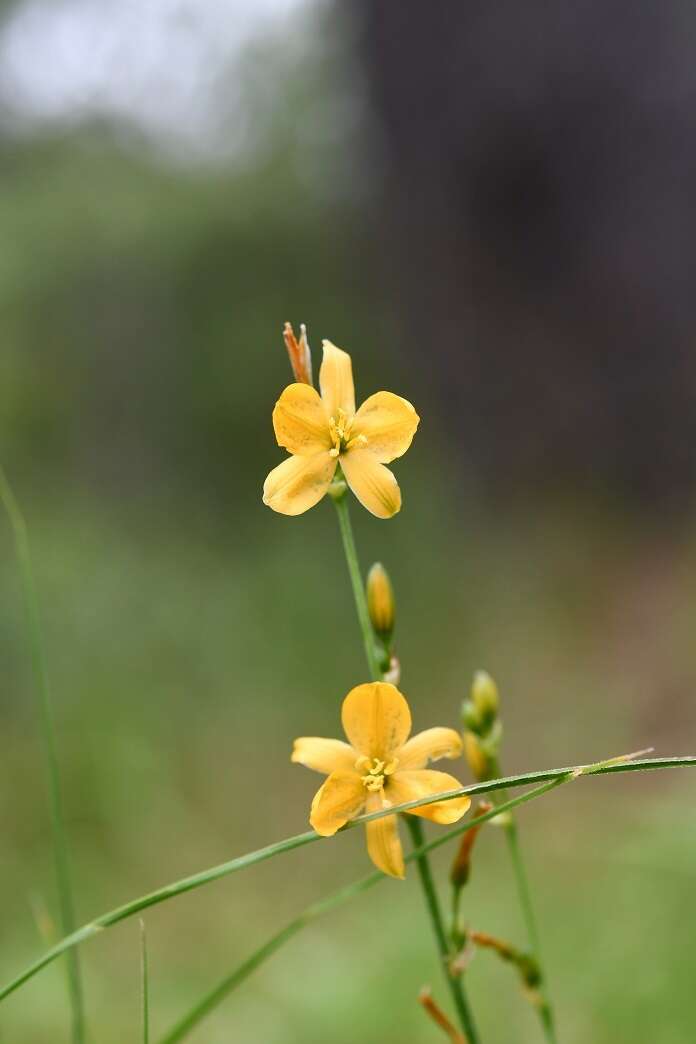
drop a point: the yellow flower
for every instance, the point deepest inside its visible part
(380, 767)
(322, 431)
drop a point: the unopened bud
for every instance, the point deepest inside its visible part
(471, 719)
(476, 756)
(484, 694)
(461, 867)
(380, 601)
(299, 353)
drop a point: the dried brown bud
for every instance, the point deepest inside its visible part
(438, 1016)
(299, 353)
(461, 867)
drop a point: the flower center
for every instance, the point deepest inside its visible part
(339, 429)
(376, 770)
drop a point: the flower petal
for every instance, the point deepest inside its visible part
(430, 746)
(341, 797)
(376, 719)
(388, 422)
(373, 484)
(336, 381)
(324, 755)
(411, 785)
(300, 421)
(383, 844)
(298, 483)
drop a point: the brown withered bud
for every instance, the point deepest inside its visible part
(524, 962)
(461, 867)
(299, 353)
(433, 1009)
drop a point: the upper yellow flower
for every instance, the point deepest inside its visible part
(321, 432)
(380, 767)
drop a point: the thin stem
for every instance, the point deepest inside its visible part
(424, 872)
(144, 983)
(527, 907)
(357, 583)
(454, 982)
(204, 877)
(45, 715)
(226, 985)
(524, 894)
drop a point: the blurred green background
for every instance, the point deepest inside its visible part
(155, 239)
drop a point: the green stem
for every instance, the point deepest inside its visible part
(454, 982)
(424, 871)
(226, 985)
(524, 895)
(59, 833)
(144, 984)
(368, 635)
(214, 873)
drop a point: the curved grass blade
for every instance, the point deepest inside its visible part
(204, 877)
(315, 910)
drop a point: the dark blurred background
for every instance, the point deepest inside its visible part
(492, 208)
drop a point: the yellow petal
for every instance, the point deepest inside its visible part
(383, 844)
(299, 483)
(336, 381)
(300, 421)
(429, 746)
(388, 422)
(373, 484)
(340, 798)
(324, 755)
(376, 719)
(412, 785)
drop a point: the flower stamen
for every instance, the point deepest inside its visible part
(373, 780)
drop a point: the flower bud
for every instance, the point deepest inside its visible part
(299, 353)
(484, 694)
(471, 718)
(380, 601)
(476, 756)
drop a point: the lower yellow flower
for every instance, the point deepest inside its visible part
(378, 768)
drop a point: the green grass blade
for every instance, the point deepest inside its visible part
(226, 985)
(214, 873)
(43, 692)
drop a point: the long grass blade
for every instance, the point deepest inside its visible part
(223, 988)
(204, 877)
(45, 715)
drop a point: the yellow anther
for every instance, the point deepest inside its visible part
(334, 452)
(372, 782)
(362, 762)
(359, 440)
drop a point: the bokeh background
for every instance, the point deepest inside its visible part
(492, 207)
